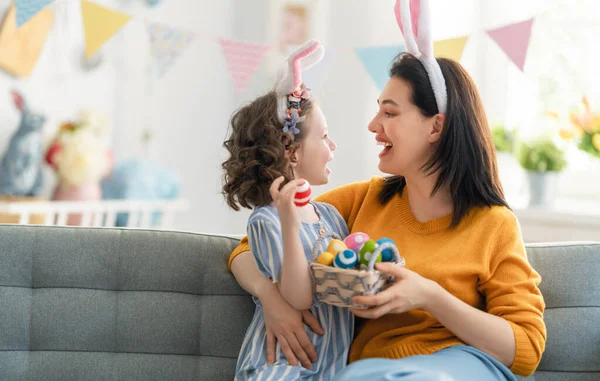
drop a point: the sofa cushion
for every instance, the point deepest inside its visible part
(117, 304)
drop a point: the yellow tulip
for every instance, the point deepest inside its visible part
(595, 124)
(566, 134)
(596, 141)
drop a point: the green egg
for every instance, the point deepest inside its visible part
(366, 251)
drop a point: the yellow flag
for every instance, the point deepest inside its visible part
(100, 24)
(450, 48)
(21, 47)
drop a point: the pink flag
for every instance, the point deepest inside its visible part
(514, 40)
(243, 60)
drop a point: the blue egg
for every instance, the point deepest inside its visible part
(346, 259)
(387, 255)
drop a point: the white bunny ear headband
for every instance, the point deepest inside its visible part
(414, 19)
(290, 89)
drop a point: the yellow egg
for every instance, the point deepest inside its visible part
(336, 246)
(325, 258)
(596, 141)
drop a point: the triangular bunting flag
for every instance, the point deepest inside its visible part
(20, 48)
(243, 60)
(26, 9)
(315, 76)
(514, 40)
(100, 24)
(378, 61)
(451, 48)
(166, 44)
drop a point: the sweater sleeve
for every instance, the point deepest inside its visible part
(510, 287)
(347, 199)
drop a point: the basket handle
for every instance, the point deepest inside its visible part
(317, 245)
(382, 247)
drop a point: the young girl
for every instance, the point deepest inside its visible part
(282, 137)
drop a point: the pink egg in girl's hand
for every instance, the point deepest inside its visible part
(302, 196)
(356, 240)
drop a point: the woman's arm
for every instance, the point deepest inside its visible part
(512, 330)
(486, 332)
(246, 273)
(284, 324)
(489, 333)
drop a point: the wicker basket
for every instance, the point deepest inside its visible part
(338, 286)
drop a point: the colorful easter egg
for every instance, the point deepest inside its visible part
(336, 246)
(387, 255)
(346, 259)
(365, 252)
(355, 241)
(325, 258)
(302, 196)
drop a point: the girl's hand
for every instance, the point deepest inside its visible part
(284, 201)
(410, 291)
(286, 325)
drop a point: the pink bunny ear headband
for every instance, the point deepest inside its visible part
(290, 89)
(414, 19)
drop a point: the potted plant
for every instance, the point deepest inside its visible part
(503, 139)
(542, 160)
(511, 176)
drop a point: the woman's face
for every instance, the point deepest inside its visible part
(408, 138)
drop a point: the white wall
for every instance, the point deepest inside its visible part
(189, 108)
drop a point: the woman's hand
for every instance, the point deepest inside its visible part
(410, 291)
(284, 201)
(286, 325)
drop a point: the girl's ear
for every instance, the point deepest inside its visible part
(292, 156)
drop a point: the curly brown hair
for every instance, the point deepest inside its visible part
(257, 149)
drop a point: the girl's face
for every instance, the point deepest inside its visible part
(315, 151)
(406, 135)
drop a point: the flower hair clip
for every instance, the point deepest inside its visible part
(292, 114)
(290, 90)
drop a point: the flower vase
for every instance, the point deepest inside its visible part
(543, 188)
(87, 192)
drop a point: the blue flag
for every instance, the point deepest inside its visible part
(378, 61)
(26, 9)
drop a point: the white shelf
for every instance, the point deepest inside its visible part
(565, 220)
(102, 213)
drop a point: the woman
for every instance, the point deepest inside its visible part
(467, 306)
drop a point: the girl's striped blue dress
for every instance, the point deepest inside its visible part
(264, 236)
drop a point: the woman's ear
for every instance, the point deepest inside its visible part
(437, 128)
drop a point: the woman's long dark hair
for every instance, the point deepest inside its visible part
(465, 158)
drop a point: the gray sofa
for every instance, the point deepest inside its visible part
(114, 304)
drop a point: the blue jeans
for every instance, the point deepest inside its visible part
(459, 362)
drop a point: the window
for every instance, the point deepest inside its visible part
(562, 65)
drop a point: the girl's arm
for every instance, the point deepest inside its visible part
(347, 199)
(295, 282)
